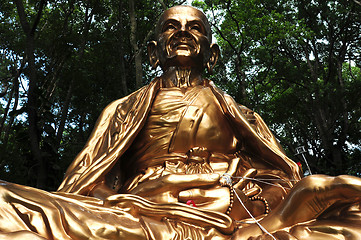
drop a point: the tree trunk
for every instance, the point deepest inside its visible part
(241, 79)
(7, 108)
(133, 42)
(123, 76)
(32, 91)
(12, 117)
(64, 114)
(11, 120)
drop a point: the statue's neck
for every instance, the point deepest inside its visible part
(181, 77)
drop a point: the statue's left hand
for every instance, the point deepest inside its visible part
(310, 197)
(307, 200)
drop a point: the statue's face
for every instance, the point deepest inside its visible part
(183, 38)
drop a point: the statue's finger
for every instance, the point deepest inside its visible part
(202, 195)
(176, 183)
(179, 181)
(191, 194)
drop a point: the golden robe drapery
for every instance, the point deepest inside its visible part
(70, 213)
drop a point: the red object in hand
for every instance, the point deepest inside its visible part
(189, 202)
(299, 164)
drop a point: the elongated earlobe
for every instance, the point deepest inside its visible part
(152, 53)
(214, 57)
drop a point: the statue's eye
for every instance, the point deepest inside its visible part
(169, 27)
(197, 28)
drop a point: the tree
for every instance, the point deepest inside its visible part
(62, 62)
(298, 63)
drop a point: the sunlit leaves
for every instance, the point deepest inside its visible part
(294, 56)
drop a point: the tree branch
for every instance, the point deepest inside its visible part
(357, 2)
(22, 16)
(38, 17)
(163, 4)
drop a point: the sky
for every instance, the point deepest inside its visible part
(189, 2)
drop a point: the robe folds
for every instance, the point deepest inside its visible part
(70, 213)
(121, 120)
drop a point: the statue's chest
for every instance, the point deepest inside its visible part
(191, 119)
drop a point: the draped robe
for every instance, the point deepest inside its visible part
(70, 213)
(122, 120)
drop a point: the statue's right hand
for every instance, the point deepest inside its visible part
(166, 189)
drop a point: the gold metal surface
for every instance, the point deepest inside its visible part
(177, 141)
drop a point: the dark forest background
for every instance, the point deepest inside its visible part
(297, 63)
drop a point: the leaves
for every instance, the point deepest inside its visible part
(295, 62)
(81, 54)
(293, 59)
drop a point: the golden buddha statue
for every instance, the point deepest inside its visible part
(180, 159)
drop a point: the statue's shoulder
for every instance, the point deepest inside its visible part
(250, 115)
(127, 100)
(124, 104)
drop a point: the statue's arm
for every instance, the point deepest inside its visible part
(100, 141)
(85, 158)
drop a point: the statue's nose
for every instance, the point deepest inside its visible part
(183, 33)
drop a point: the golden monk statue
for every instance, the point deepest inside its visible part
(179, 159)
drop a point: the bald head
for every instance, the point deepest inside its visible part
(181, 12)
(183, 39)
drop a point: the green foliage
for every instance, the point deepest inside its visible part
(82, 52)
(298, 63)
(295, 62)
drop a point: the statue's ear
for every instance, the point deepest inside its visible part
(214, 57)
(152, 53)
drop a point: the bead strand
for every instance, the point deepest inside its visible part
(231, 200)
(267, 208)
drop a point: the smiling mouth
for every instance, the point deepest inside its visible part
(182, 46)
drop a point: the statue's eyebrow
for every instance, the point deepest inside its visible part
(199, 23)
(172, 21)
